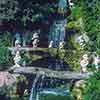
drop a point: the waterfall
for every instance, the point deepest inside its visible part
(57, 33)
(34, 94)
(62, 5)
(37, 96)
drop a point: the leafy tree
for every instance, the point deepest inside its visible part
(5, 39)
(5, 42)
(8, 8)
(90, 14)
(4, 56)
(92, 90)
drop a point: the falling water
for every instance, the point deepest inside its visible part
(18, 36)
(37, 96)
(43, 76)
(62, 5)
(34, 95)
(58, 32)
(57, 35)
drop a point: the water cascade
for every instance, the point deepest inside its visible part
(58, 32)
(57, 35)
(34, 94)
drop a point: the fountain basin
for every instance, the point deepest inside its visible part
(55, 92)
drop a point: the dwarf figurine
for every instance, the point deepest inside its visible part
(17, 59)
(61, 45)
(96, 62)
(81, 41)
(35, 40)
(84, 62)
(17, 43)
(51, 44)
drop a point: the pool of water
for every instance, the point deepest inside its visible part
(56, 92)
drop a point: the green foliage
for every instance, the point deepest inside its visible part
(92, 90)
(98, 40)
(4, 90)
(73, 44)
(8, 9)
(5, 39)
(72, 58)
(52, 97)
(89, 11)
(4, 56)
(70, 25)
(90, 14)
(76, 12)
(69, 56)
(25, 57)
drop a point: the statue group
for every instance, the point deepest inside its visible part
(19, 41)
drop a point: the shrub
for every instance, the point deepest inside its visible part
(92, 90)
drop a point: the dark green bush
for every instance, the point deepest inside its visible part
(5, 59)
(92, 90)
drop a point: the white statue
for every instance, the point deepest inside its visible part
(17, 59)
(35, 43)
(82, 40)
(51, 44)
(70, 3)
(84, 62)
(35, 40)
(61, 45)
(17, 43)
(96, 62)
(86, 38)
(35, 35)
